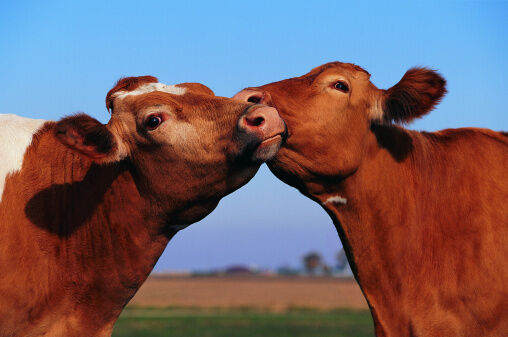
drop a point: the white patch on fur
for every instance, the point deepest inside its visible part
(150, 87)
(15, 136)
(336, 199)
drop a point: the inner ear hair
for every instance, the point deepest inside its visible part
(416, 94)
(87, 136)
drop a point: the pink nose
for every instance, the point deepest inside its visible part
(254, 95)
(263, 121)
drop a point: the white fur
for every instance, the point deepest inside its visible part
(150, 87)
(15, 136)
(336, 199)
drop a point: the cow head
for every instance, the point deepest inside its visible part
(187, 147)
(334, 110)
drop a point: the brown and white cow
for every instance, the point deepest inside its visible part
(87, 208)
(422, 216)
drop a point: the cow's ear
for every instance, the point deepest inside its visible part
(416, 94)
(89, 137)
(196, 88)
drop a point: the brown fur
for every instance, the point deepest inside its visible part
(425, 225)
(92, 208)
(196, 88)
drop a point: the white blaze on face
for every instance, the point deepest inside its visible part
(150, 87)
(15, 136)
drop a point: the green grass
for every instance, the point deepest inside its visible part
(242, 323)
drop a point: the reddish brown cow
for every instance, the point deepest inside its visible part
(422, 216)
(88, 208)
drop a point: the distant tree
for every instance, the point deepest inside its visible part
(287, 271)
(311, 262)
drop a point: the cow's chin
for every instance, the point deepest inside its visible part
(286, 167)
(239, 178)
(267, 149)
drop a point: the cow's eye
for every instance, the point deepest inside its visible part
(342, 86)
(153, 122)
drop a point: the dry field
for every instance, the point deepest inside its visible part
(256, 292)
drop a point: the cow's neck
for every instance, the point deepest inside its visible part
(98, 238)
(367, 209)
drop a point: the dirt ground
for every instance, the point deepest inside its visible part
(256, 292)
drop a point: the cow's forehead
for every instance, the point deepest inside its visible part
(349, 67)
(135, 86)
(150, 87)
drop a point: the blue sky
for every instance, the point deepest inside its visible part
(58, 58)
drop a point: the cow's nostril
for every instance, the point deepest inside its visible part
(254, 99)
(257, 121)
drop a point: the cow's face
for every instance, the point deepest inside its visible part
(330, 112)
(189, 147)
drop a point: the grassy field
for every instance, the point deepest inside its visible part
(159, 322)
